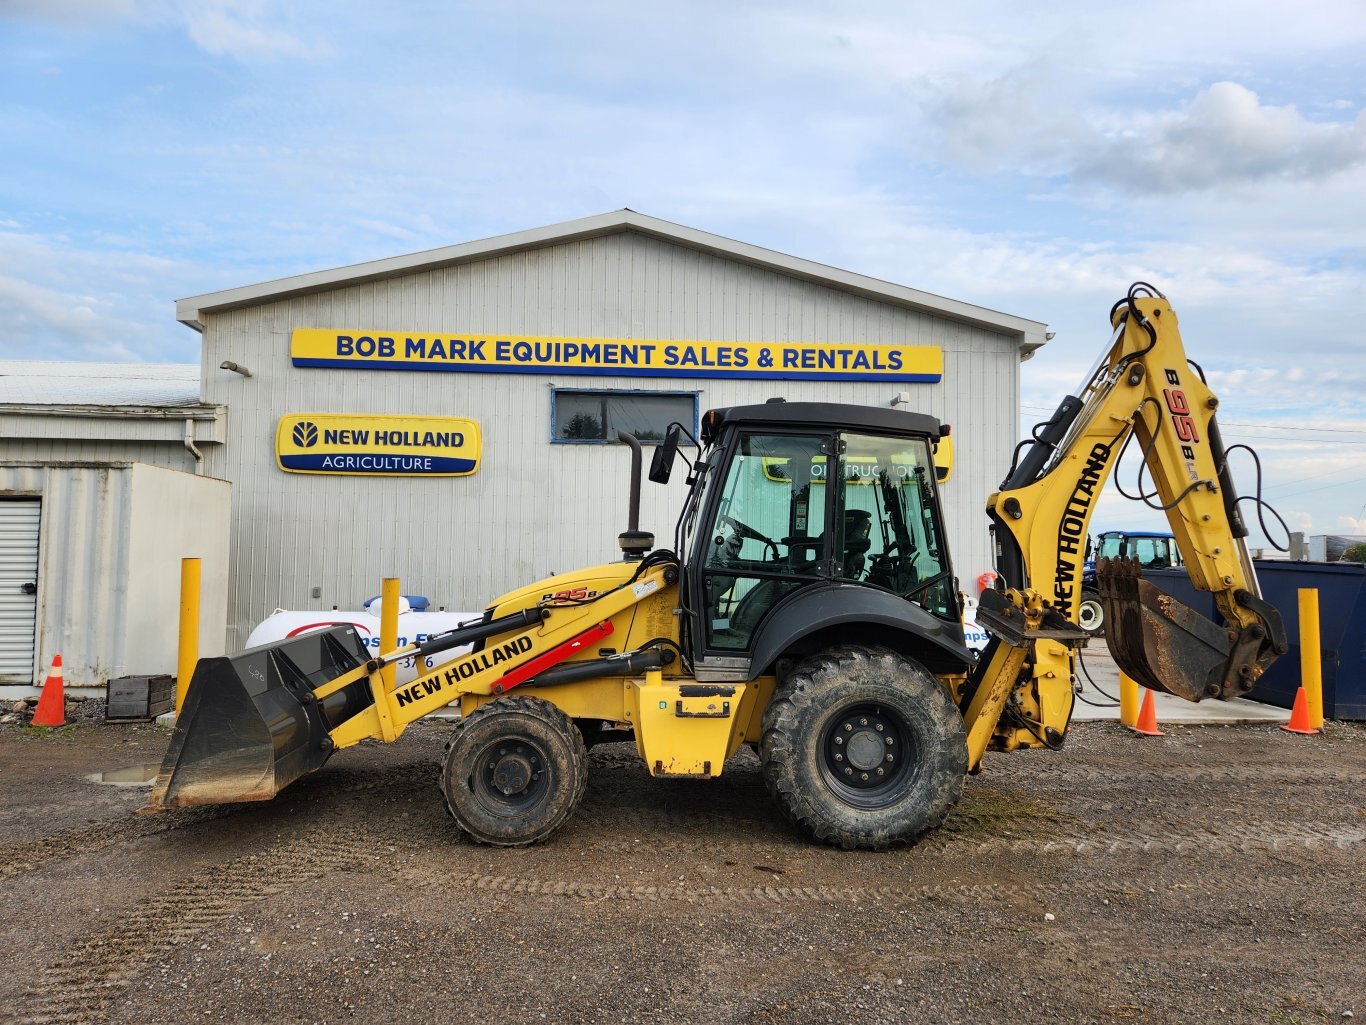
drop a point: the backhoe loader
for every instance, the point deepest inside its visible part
(808, 608)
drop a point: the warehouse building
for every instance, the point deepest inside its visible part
(102, 494)
(448, 417)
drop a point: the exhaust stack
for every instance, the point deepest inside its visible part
(634, 542)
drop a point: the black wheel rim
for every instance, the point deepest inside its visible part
(868, 755)
(511, 775)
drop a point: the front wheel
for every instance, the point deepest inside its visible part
(515, 770)
(862, 747)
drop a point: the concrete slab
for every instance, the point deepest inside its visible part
(1103, 685)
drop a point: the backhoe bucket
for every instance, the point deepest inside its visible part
(250, 724)
(1166, 645)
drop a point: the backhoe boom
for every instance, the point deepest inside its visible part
(1144, 385)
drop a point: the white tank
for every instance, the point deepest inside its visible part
(412, 628)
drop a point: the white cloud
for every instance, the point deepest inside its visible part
(1225, 137)
(1028, 120)
(242, 29)
(64, 299)
(58, 325)
(70, 12)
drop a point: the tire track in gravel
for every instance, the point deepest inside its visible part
(32, 855)
(973, 893)
(1077, 774)
(1220, 840)
(93, 973)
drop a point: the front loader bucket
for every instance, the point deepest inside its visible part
(250, 724)
(1166, 645)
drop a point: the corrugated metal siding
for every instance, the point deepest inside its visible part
(172, 456)
(19, 518)
(534, 507)
(82, 579)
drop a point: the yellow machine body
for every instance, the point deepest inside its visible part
(874, 670)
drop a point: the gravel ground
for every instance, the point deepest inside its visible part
(1216, 873)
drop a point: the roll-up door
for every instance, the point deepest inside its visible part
(18, 587)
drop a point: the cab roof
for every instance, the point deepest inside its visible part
(833, 415)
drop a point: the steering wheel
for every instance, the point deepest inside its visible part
(745, 530)
(910, 549)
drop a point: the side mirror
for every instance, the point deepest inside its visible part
(662, 463)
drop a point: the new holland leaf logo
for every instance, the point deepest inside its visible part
(305, 434)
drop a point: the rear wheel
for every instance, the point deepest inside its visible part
(1091, 613)
(515, 770)
(863, 748)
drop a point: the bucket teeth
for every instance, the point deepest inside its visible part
(1162, 643)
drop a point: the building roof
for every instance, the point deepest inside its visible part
(1031, 333)
(74, 383)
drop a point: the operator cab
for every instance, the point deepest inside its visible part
(763, 523)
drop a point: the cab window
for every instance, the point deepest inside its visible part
(889, 530)
(768, 538)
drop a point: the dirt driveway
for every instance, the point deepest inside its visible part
(1213, 874)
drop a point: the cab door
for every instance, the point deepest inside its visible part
(768, 534)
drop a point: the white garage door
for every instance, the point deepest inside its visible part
(18, 587)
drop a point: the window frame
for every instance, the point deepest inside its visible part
(555, 392)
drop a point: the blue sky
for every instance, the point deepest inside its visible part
(1030, 160)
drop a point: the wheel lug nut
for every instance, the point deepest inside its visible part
(839, 758)
(863, 722)
(880, 727)
(848, 727)
(890, 758)
(839, 740)
(882, 772)
(864, 777)
(848, 771)
(890, 741)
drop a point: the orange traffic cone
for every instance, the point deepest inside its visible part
(1299, 715)
(1147, 718)
(51, 710)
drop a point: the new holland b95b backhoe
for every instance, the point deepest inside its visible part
(809, 608)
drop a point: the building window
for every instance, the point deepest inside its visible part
(596, 416)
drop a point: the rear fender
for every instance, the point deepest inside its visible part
(817, 617)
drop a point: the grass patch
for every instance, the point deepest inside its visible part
(48, 732)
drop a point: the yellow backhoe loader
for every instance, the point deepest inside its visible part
(808, 608)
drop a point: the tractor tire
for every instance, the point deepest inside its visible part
(1091, 613)
(863, 748)
(515, 770)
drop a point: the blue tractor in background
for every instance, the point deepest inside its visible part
(1152, 549)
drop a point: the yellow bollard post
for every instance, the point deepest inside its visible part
(1128, 700)
(388, 627)
(1311, 659)
(188, 653)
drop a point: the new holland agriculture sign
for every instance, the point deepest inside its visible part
(514, 354)
(408, 446)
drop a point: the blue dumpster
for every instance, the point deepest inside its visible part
(1342, 628)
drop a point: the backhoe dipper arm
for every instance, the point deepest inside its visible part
(1041, 520)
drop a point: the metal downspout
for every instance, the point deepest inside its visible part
(192, 448)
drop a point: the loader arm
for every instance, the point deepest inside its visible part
(1144, 385)
(254, 723)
